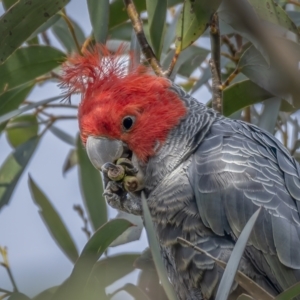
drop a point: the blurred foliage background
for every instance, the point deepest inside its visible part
(259, 62)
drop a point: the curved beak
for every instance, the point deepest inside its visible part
(103, 150)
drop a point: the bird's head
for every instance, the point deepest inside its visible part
(135, 108)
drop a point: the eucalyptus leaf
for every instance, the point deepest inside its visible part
(242, 94)
(46, 294)
(20, 21)
(188, 60)
(18, 296)
(113, 268)
(269, 116)
(269, 77)
(11, 100)
(195, 17)
(8, 3)
(63, 34)
(134, 291)
(118, 14)
(99, 13)
(289, 293)
(91, 188)
(64, 136)
(21, 129)
(13, 167)
(75, 286)
(157, 13)
(53, 221)
(71, 161)
(234, 260)
(131, 234)
(28, 63)
(155, 249)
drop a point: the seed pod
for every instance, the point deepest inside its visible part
(116, 173)
(131, 183)
(127, 164)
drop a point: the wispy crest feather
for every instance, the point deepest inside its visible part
(95, 68)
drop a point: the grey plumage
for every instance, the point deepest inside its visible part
(204, 184)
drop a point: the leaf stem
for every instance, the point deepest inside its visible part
(139, 31)
(71, 28)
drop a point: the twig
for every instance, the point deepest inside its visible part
(293, 2)
(173, 63)
(145, 47)
(80, 212)
(87, 43)
(5, 264)
(230, 45)
(230, 78)
(216, 88)
(214, 63)
(72, 31)
(233, 58)
(247, 117)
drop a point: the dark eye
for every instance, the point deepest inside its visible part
(128, 122)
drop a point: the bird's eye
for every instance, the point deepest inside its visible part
(128, 122)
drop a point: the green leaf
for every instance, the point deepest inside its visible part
(28, 63)
(18, 111)
(235, 257)
(269, 77)
(75, 286)
(99, 13)
(46, 294)
(121, 32)
(71, 161)
(134, 291)
(188, 60)
(21, 129)
(262, 11)
(50, 22)
(132, 233)
(67, 138)
(62, 32)
(18, 296)
(194, 20)
(11, 100)
(8, 3)
(268, 10)
(53, 222)
(19, 22)
(247, 93)
(118, 14)
(91, 188)
(170, 32)
(268, 117)
(289, 293)
(13, 167)
(113, 268)
(155, 249)
(157, 13)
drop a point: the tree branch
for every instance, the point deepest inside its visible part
(214, 63)
(139, 31)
